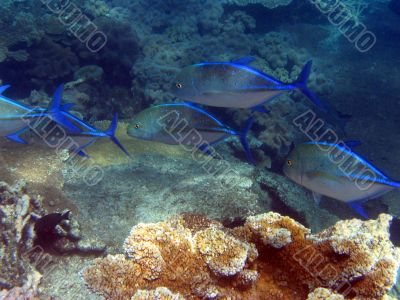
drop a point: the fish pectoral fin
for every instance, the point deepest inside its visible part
(317, 198)
(314, 174)
(318, 174)
(213, 93)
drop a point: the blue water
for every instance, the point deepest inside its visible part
(121, 56)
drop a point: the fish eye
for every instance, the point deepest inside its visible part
(179, 85)
(289, 162)
(137, 126)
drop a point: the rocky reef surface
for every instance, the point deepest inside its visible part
(18, 213)
(269, 257)
(160, 182)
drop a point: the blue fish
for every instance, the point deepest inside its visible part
(84, 137)
(14, 116)
(185, 124)
(338, 172)
(236, 85)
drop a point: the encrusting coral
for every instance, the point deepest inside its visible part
(269, 257)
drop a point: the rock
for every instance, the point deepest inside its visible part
(352, 259)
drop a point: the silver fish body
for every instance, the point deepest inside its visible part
(226, 85)
(14, 116)
(178, 124)
(337, 172)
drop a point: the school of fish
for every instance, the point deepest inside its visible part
(326, 169)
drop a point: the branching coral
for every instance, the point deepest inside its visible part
(270, 257)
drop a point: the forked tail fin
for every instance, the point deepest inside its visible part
(301, 84)
(110, 132)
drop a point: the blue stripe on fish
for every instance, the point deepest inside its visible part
(224, 129)
(9, 101)
(244, 67)
(351, 153)
(194, 107)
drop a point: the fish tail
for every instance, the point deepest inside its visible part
(301, 84)
(55, 111)
(110, 132)
(243, 139)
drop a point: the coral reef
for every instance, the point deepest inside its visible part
(18, 30)
(18, 212)
(160, 293)
(324, 294)
(269, 257)
(29, 291)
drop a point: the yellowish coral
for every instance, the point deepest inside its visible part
(269, 229)
(223, 254)
(270, 257)
(160, 293)
(324, 294)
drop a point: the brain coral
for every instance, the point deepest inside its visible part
(269, 257)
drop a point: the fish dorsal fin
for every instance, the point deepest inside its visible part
(244, 60)
(3, 88)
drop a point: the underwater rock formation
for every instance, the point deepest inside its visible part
(18, 212)
(269, 257)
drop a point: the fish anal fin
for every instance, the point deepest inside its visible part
(15, 137)
(357, 207)
(260, 108)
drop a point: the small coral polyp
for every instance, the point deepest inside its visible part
(270, 257)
